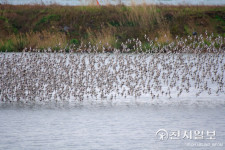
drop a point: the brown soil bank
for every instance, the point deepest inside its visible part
(40, 26)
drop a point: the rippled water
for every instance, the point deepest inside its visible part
(120, 124)
(127, 2)
(106, 127)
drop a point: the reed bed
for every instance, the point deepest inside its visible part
(44, 26)
(207, 43)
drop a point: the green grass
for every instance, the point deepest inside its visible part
(187, 30)
(7, 46)
(46, 20)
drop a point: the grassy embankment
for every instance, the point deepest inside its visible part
(40, 26)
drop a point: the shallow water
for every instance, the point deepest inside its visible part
(108, 127)
(126, 124)
(127, 2)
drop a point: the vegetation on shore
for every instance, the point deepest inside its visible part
(55, 26)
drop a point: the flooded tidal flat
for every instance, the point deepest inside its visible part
(91, 100)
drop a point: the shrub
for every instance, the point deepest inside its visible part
(74, 42)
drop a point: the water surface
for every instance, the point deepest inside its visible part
(106, 127)
(99, 124)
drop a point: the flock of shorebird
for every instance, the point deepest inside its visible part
(71, 76)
